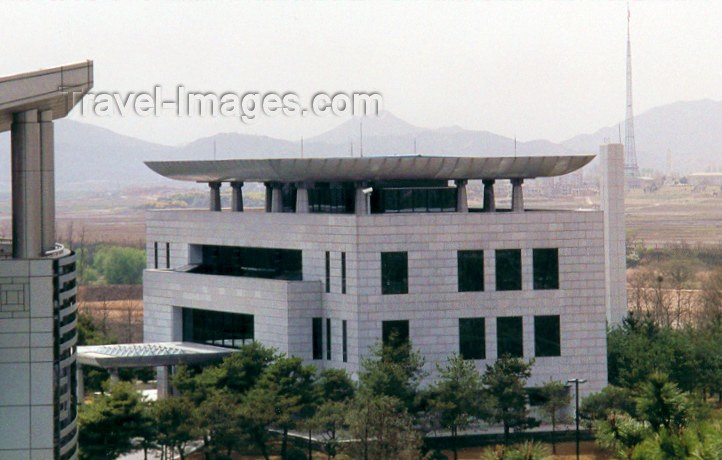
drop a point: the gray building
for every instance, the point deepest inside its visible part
(38, 417)
(352, 251)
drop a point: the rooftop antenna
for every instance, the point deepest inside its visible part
(214, 149)
(515, 145)
(414, 146)
(631, 169)
(361, 139)
(619, 126)
(301, 146)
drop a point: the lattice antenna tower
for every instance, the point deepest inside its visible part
(631, 169)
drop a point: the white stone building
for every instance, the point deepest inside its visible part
(349, 250)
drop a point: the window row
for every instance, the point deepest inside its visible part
(318, 339)
(509, 336)
(328, 272)
(470, 264)
(156, 259)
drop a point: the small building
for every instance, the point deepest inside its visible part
(713, 179)
(349, 252)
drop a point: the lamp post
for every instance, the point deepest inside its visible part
(576, 383)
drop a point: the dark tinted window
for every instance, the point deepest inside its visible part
(471, 270)
(546, 336)
(509, 336)
(167, 255)
(332, 200)
(252, 262)
(471, 338)
(328, 271)
(344, 338)
(546, 269)
(317, 338)
(328, 338)
(230, 330)
(155, 255)
(343, 273)
(430, 199)
(508, 269)
(395, 333)
(394, 273)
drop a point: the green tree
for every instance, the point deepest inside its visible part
(456, 396)
(529, 450)
(598, 406)
(241, 370)
(257, 413)
(120, 265)
(556, 398)
(620, 433)
(110, 422)
(505, 381)
(335, 390)
(176, 423)
(221, 422)
(662, 404)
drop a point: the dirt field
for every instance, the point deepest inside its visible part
(117, 310)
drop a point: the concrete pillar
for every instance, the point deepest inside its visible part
(517, 196)
(489, 200)
(302, 204)
(47, 173)
(162, 375)
(462, 204)
(615, 250)
(80, 389)
(276, 198)
(26, 185)
(237, 196)
(114, 377)
(215, 196)
(269, 196)
(362, 200)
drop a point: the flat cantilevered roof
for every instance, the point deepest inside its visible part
(369, 168)
(149, 354)
(57, 89)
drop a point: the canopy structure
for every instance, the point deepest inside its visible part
(369, 168)
(149, 354)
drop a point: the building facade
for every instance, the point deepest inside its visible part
(38, 416)
(352, 252)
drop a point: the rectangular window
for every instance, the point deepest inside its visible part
(395, 333)
(167, 255)
(328, 271)
(271, 263)
(546, 268)
(509, 336)
(155, 255)
(394, 273)
(343, 273)
(471, 270)
(230, 330)
(508, 269)
(317, 338)
(344, 337)
(328, 339)
(472, 335)
(547, 339)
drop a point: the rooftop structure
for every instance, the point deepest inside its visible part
(38, 417)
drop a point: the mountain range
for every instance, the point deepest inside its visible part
(90, 157)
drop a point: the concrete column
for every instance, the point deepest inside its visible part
(47, 173)
(302, 204)
(80, 389)
(276, 198)
(615, 251)
(489, 200)
(362, 200)
(237, 196)
(269, 196)
(26, 185)
(517, 196)
(462, 204)
(215, 195)
(114, 377)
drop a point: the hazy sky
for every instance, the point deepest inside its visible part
(534, 69)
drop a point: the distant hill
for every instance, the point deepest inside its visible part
(93, 158)
(692, 131)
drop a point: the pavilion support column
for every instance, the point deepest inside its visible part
(269, 196)
(47, 173)
(277, 198)
(215, 196)
(114, 377)
(517, 196)
(80, 388)
(302, 204)
(462, 203)
(162, 376)
(489, 200)
(362, 200)
(237, 196)
(27, 194)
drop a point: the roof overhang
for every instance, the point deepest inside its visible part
(57, 89)
(149, 354)
(370, 168)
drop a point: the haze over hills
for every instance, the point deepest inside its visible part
(93, 158)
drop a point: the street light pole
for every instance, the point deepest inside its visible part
(576, 383)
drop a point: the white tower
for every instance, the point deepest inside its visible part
(631, 169)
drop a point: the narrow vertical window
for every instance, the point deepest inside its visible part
(167, 255)
(344, 344)
(471, 270)
(317, 338)
(155, 255)
(328, 339)
(509, 336)
(546, 268)
(546, 336)
(328, 271)
(394, 273)
(472, 338)
(343, 273)
(508, 269)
